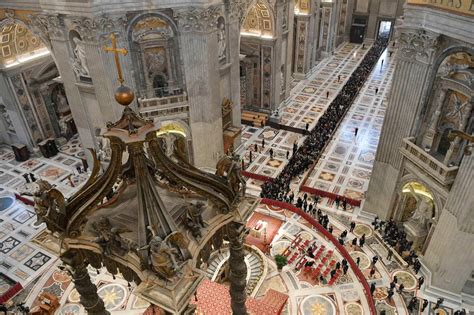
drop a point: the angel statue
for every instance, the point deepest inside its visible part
(165, 258)
(192, 218)
(230, 167)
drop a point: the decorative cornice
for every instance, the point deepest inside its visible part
(51, 26)
(198, 19)
(98, 28)
(237, 9)
(418, 45)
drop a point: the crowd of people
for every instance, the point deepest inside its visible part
(314, 144)
(396, 239)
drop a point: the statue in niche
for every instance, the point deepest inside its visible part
(458, 108)
(109, 239)
(423, 212)
(169, 144)
(193, 219)
(6, 118)
(155, 61)
(63, 105)
(221, 38)
(230, 167)
(165, 258)
(80, 61)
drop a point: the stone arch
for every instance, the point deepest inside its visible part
(437, 202)
(427, 96)
(447, 103)
(303, 6)
(183, 131)
(259, 19)
(21, 39)
(155, 51)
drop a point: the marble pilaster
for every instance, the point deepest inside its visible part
(233, 47)
(415, 59)
(198, 43)
(83, 120)
(448, 256)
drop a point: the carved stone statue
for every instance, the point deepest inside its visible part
(423, 212)
(221, 40)
(80, 64)
(193, 218)
(6, 118)
(230, 167)
(165, 256)
(62, 103)
(109, 239)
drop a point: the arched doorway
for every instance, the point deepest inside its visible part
(257, 54)
(177, 140)
(26, 63)
(418, 213)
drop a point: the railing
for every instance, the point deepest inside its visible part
(164, 106)
(442, 173)
(342, 250)
(148, 103)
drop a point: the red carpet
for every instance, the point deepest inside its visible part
(272, 229)
(214, 298)
(360, 276)
(329, 195)
(259, 177)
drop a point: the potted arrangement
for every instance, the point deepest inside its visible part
(281, 261)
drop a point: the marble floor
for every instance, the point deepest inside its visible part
(346, 164)
(28, 254)
(309, 99)
(26, 249)
(308, 295)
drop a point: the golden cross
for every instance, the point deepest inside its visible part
(116, 52)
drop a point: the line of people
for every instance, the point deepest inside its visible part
(320, 135)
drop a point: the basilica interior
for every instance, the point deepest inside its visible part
(236, 157)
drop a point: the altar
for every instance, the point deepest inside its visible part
(259, 229)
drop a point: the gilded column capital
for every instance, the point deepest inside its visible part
(418, 45)
(198, 20)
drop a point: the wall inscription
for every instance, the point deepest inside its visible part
(459, 6)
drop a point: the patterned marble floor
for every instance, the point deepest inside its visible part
(346, 164)
(26, 250)
(308, 295)
(29, 255)
(307, 103)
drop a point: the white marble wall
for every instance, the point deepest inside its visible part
(448, 254)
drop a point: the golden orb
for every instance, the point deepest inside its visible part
(124, 95)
